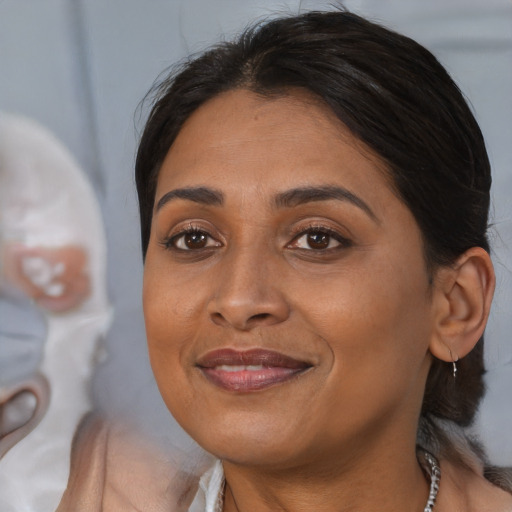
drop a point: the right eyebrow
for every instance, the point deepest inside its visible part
(202, 195)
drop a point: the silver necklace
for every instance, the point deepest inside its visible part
(431, 465)
(433, 469)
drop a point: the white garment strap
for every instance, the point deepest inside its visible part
(210, 493)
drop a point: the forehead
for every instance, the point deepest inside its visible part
(244, 140)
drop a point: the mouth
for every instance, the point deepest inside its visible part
(250, 370)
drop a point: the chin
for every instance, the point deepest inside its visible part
(247, 439)
(248, 451)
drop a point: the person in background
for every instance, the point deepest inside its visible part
(54, 311)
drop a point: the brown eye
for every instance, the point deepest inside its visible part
(318, 240)
(195, 240)
(192, 240)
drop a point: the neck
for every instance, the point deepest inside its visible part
(388, 482)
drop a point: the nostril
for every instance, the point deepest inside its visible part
(244, 308)
(259, 317)
(218, 318)
(247, 322)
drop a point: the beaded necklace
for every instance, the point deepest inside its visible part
(433, 469)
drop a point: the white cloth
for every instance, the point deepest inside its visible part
(209, 496)
(45, 200)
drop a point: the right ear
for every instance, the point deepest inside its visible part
(462, 300)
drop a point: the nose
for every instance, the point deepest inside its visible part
(248, 293)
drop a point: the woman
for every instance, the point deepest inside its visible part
(314, 201)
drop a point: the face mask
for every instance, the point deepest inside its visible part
(22, 338)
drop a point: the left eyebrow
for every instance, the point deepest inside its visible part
(201, 195)
(303, 195)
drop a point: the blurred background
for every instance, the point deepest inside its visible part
(81, 68)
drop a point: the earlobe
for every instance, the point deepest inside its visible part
(462, 301)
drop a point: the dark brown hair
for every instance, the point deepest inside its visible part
(393, 95)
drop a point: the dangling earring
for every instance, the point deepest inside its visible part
(454, 365)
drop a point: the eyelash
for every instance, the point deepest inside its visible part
(322, 230)
(171, 242)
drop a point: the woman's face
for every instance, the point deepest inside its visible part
(287, 304)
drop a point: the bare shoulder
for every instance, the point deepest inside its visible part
(464, 490)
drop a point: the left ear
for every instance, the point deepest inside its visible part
(462, 300)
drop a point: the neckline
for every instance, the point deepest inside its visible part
(213, 482)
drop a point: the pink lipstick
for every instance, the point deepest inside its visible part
(249, 370)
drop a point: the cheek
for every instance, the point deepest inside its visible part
(166, 319)
(376, 317)
(377, 329)
(174, 306)
(169, 305)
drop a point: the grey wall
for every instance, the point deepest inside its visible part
(81, 67)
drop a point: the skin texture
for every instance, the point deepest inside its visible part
(360, 312)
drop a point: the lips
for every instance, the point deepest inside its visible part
(250, 370)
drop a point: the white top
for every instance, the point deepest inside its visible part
(210, 492)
